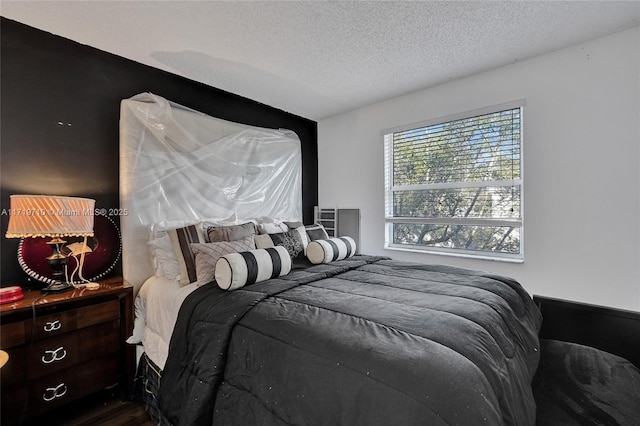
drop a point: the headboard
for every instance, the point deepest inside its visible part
(616, 331)
(180, 164)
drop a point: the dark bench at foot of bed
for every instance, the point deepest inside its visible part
(580, 385)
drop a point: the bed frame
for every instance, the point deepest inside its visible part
(611, 330)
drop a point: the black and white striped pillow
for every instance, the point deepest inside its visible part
(236, 270)
(329, 250)
(181, 239)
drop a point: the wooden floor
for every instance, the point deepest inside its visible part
(104, 408)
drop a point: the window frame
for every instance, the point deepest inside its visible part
(390, 220)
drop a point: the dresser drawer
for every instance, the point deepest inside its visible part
(13, 404)
(14, 371)
(65, 321)
(50, 355)
(95, 314)
(46, 326)
(12, 334)
(67, 385)
(60, 352)
(53, 324)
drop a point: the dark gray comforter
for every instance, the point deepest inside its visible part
(364, 341)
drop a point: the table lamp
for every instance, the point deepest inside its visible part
(33, 216)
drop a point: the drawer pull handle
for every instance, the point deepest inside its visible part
(52, 326)
(55, 355)
(52, 393)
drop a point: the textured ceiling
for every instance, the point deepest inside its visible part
(317, 59)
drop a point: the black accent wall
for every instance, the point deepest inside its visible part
(59, 112)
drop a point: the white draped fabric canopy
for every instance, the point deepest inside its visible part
(177, 164)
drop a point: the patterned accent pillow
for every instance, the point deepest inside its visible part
(325, 251)
(207, 255)
(295, 241)
(236, 270)
(180, 240)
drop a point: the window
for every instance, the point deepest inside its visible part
(454, 185)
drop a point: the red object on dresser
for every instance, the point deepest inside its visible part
(10, 294)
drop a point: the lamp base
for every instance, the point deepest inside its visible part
(57, 287)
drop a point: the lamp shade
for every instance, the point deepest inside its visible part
(50, 216)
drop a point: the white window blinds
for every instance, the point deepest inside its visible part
(455, 185)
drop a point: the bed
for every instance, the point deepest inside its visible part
(365, 340)
(334, 339)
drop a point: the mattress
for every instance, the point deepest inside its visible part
(156, 310)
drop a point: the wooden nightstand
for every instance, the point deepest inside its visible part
(64, 346)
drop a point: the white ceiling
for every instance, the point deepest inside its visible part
(317, 59)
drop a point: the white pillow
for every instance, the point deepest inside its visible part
(163, 258)
(159, 229)
(269, 225)
(236, 270)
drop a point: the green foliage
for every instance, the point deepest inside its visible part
(465, 237)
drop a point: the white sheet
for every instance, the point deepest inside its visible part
(156, 312)
(180, 164)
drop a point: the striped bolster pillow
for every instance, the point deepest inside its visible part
(325, 251)
(235, 270)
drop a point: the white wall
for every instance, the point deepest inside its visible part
(581, 162)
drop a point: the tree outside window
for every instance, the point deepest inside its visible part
(455, 186)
